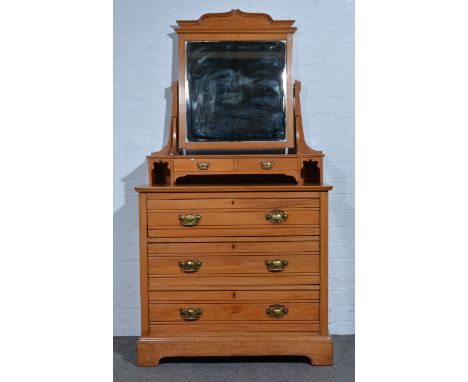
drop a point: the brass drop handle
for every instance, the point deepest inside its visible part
(276, 265)
(276, 216)
(190, 314)
(190, 266)
(203, 165)
(276, 311)
(189, 220)
(267, 165)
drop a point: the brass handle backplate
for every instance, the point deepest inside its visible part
(276, 310)
(189, 266)
(267, 165)
(276, 216)
(276, 265)
(190, 314)
(189, 220)
(203, 165)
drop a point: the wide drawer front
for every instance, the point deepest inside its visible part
(186, 219)
(226, 311)
(201, 264)
(229, 317)
(307, 244)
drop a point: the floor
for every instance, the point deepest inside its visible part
(232, 369)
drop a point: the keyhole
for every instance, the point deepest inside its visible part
(232, 202)
(233, 294)
(233, 246)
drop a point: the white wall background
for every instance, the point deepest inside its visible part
(145, 62)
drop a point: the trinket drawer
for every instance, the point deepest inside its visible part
(234, 270)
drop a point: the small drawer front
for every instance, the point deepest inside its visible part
(266, 165)
(307, 244)
(200, 264)
(252, 311)
(209, 218)
(203, 165)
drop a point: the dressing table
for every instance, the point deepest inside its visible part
(234, 219)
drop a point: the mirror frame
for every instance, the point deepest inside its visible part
(235, 26)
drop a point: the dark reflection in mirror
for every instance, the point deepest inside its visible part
(236, 91)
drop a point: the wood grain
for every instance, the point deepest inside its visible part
(231, 232)
(143, 265)
(234, 295)
(190, 248)
(231, 203)
(221, 218)
(233, 238)
(253, 311)
(203, 328)
(169, 265)
(228, 281)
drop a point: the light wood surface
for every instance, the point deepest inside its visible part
(193, 205)
(232, 193)
(169, 265)
(197, 328)
(231, 281)
(231, 232)
(312, 245)
(318, 349)
(235, 295)
(221, 218)
(219, 311)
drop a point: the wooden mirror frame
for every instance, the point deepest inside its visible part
(235, 26)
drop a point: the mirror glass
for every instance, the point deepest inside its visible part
(236, 91)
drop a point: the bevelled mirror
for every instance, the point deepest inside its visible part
(235, 91)
(235, 85)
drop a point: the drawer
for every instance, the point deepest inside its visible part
(227, 311)
(266, 165)
(203, 165)
(205, 265)
(306, 244)
(187, 219)
(189, 204)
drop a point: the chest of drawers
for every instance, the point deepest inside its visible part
(234, 270)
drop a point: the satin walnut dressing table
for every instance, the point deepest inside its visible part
(234, 220)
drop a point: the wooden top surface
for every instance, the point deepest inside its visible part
(232, 187)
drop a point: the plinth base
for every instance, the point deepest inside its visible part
(319, 349)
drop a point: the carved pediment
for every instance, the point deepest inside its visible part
(235, 20)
